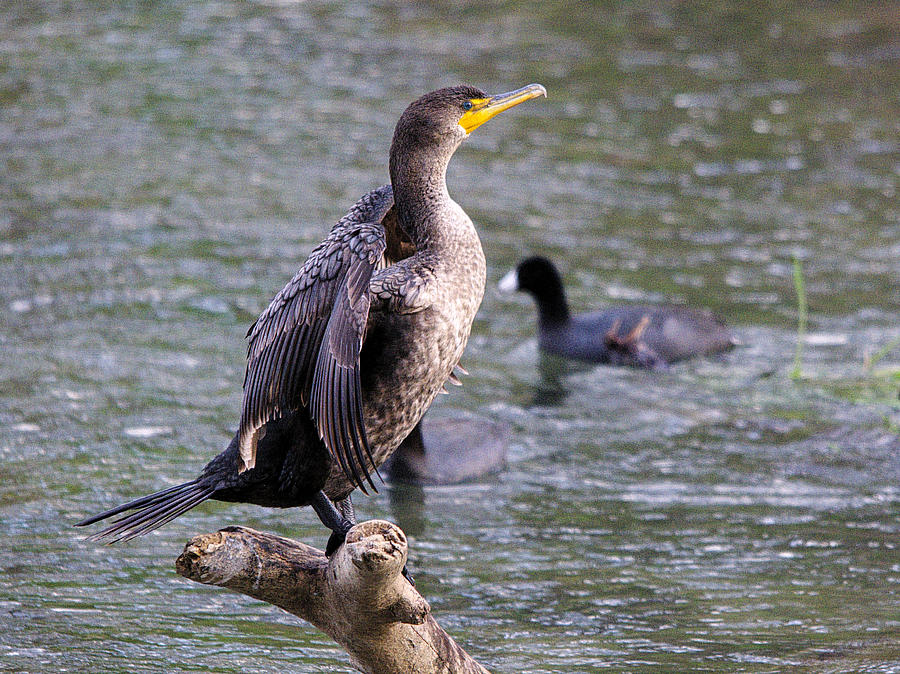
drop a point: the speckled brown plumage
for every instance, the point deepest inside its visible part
(347, 357)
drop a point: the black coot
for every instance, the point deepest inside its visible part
(649, 336)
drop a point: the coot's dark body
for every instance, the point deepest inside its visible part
(640, 335)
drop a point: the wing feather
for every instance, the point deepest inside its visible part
(323, 308)
(336, 398)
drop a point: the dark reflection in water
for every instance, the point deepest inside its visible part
(165, 168)
(552, 370)
(408, 507)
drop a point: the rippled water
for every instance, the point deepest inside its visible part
(167, 168)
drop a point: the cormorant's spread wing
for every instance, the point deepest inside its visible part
(335, 400)
(310, 335)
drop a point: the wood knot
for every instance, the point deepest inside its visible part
(193, 562)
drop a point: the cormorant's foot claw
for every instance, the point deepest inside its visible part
(408, 575)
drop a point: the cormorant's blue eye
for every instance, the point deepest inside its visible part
(467, 105)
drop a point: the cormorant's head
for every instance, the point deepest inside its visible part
(442, 119)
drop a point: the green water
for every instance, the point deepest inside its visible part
(166, 168)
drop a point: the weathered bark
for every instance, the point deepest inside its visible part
(358, 596)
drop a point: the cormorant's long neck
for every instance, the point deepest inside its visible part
(551, 302)
(419, 180)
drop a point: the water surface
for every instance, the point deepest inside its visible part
(167, 168)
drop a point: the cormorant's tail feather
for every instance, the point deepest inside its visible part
(152, 511)
(137, 503)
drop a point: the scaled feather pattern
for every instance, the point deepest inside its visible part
(304, 348)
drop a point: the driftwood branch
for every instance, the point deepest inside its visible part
(358, 597)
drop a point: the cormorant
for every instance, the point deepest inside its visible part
(348, 356)
(644, 336)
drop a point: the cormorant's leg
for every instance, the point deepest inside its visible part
(345, 508)
(333, 519)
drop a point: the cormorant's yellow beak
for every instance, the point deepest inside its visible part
(485, 108)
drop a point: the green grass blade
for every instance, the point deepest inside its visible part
(800, 289)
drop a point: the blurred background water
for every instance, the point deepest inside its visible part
(166, 167)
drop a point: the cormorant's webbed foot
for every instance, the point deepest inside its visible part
(340, 518)
(335, 541)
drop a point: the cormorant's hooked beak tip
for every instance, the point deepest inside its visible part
(486, 108)
(538, 90)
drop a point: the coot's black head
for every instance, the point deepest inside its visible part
(435, 124)
(540, 278)
(533, 275)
